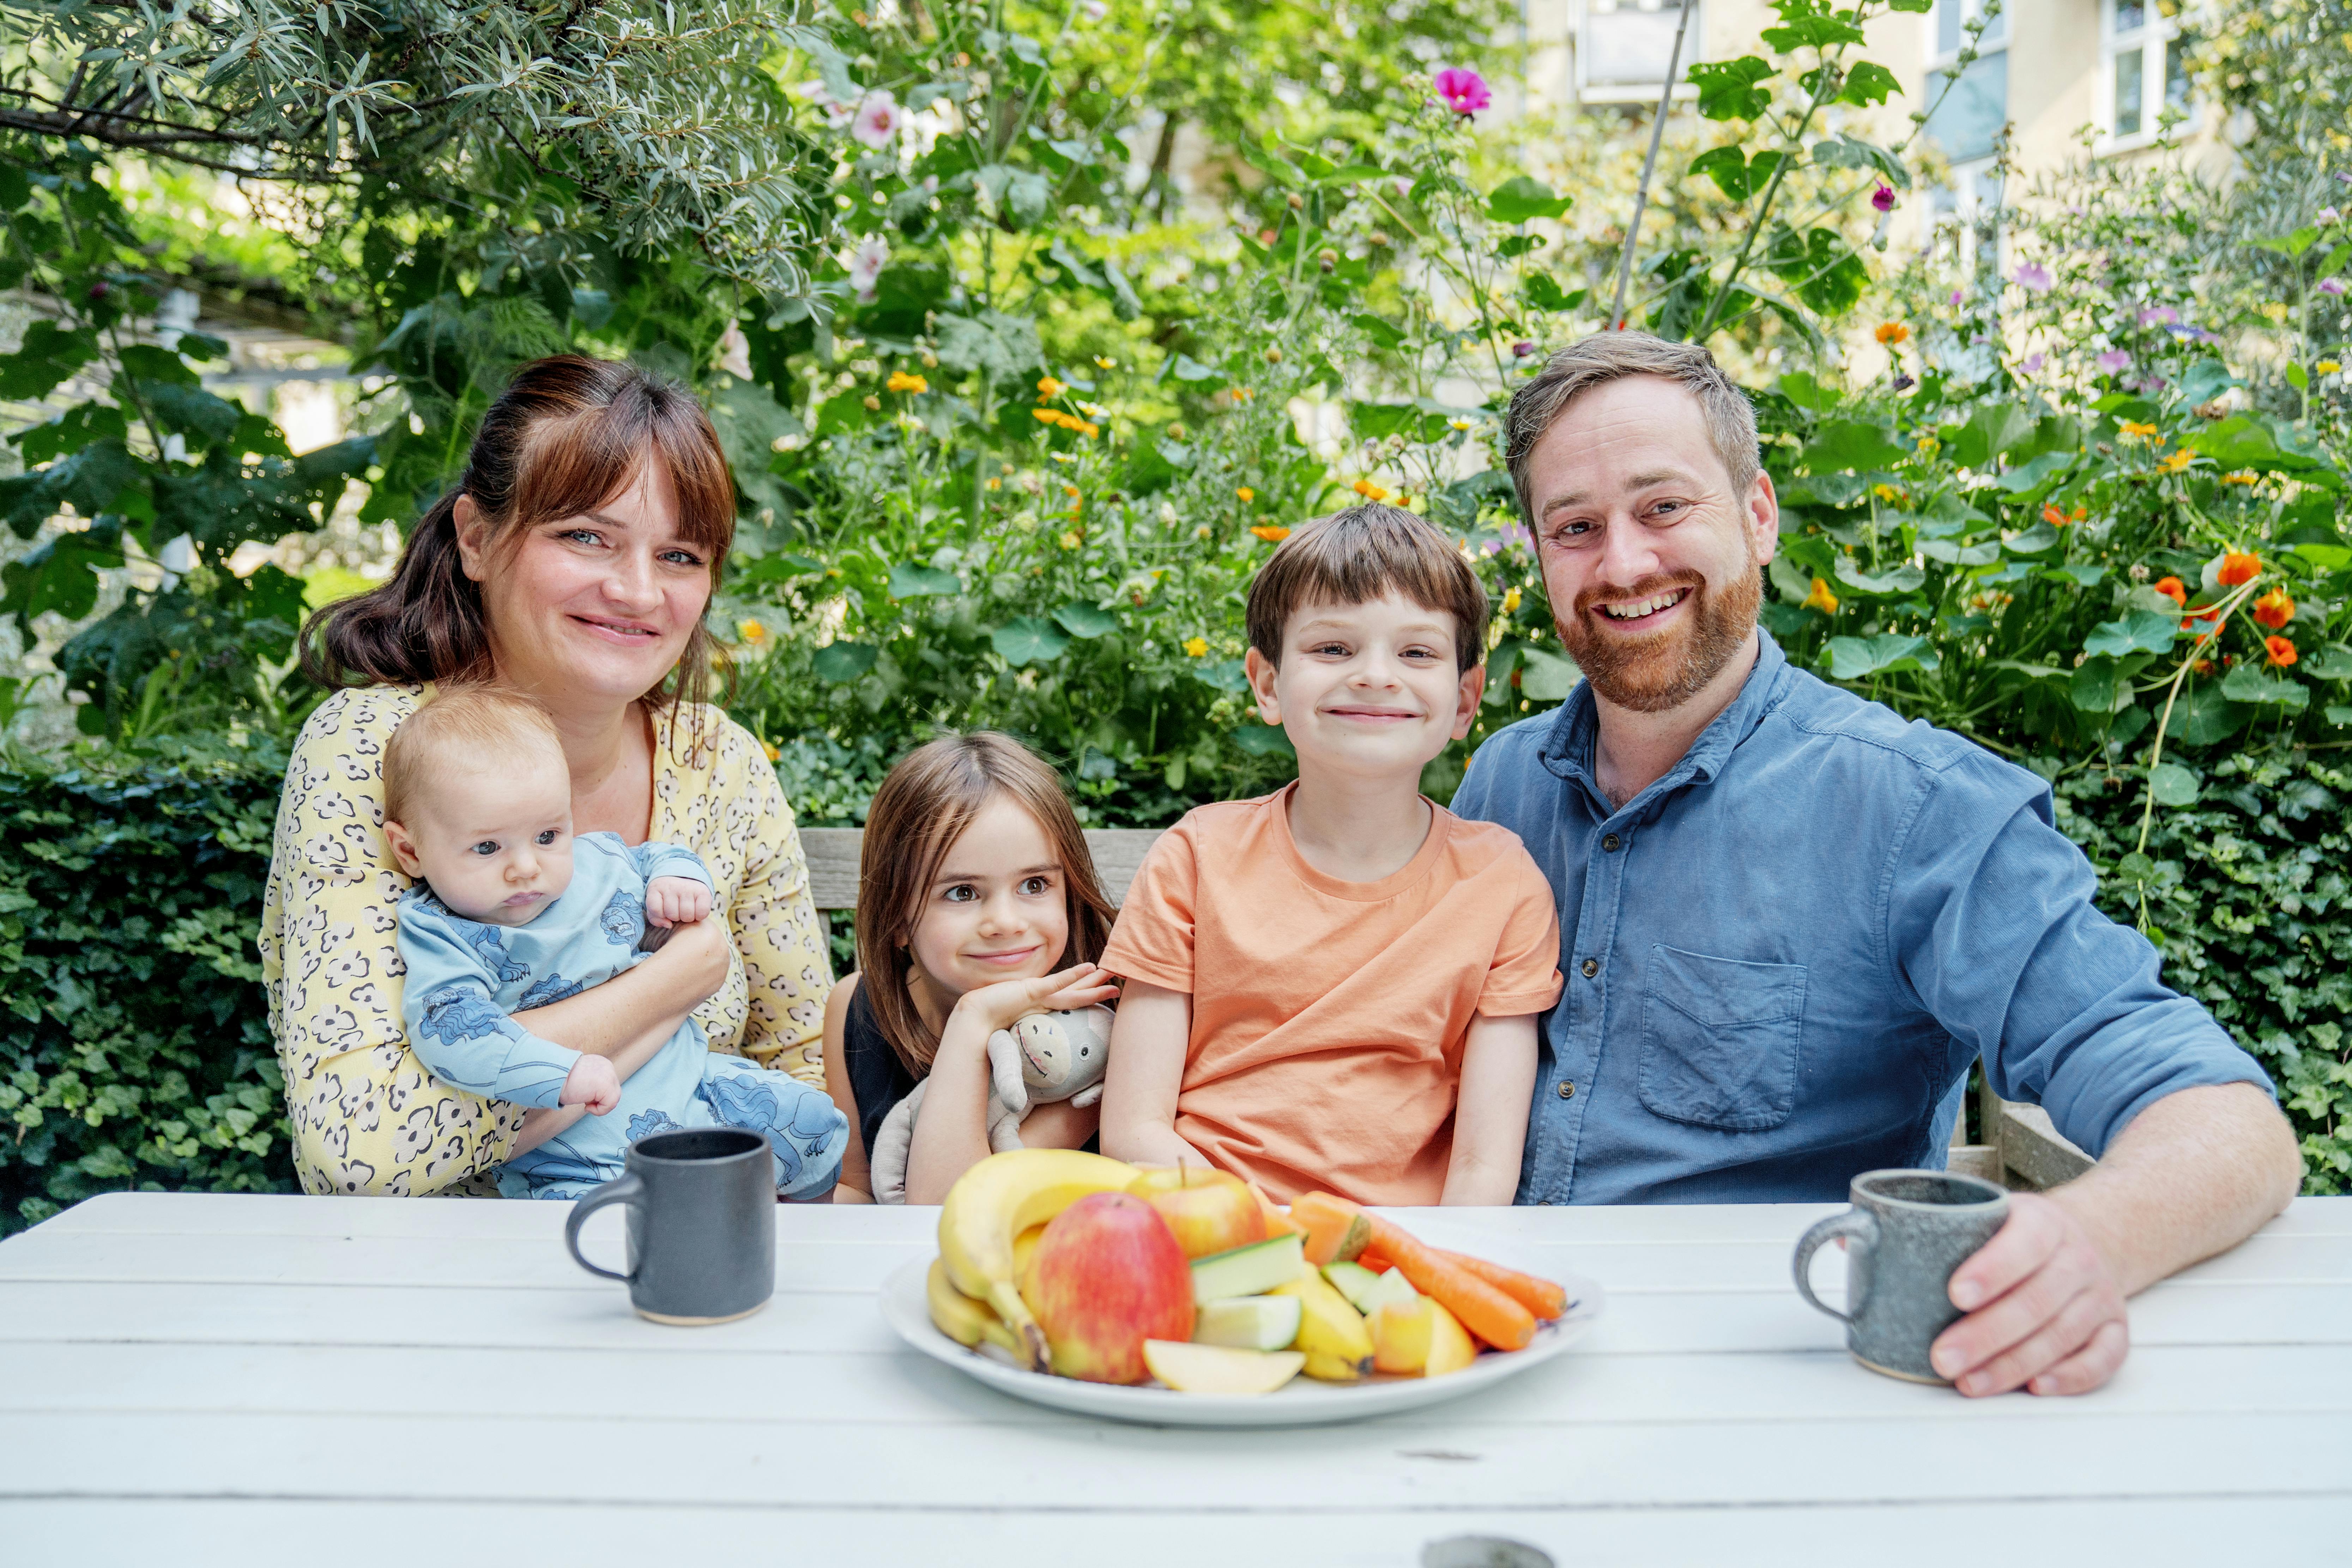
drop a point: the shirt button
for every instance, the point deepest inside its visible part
(1567, 1090)
(1589, 967)
(1610, 843)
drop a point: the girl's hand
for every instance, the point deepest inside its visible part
(999, 1005)
(676, 901)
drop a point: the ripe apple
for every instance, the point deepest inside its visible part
(1210, 1211)
(1107, 1276)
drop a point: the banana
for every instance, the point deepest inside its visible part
(998, 1199)
(961, 1318)
(1336, 1340)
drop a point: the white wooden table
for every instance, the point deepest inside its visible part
(197, 1379)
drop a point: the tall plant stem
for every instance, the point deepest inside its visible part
(1764, 205)
(2155, 752)
(1649, 166)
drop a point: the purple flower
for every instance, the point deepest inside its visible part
(1882, 198)
(1464, 91)
(2158, 316)
(1904, 383)
(1522, 349)
(2328, 216)
(1957, 296)
(2032, 364)
(2032, 276)
(2331, 285)
(2114, 361)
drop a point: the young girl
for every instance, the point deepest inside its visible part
(975, 890)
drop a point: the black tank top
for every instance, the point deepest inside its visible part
(876, 1076)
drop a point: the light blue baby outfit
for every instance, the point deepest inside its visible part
(466, 976)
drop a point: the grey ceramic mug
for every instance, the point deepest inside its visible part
(701, 1225)
(1905, 1234)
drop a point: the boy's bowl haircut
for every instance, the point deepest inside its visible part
(1355, 556)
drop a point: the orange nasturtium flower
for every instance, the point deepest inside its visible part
(2202, 625)
(1369, 491)
(1048, 387)
(2279, 651)
(753, 632)
(2178, 460)
(2171, 589)
(901, 381)
(769, 747)
(2132, 431)
(2275, 609)
(2238, 566)
(2053, 516)
(1272, 533)
(1892, 332)
(1820, 598)
(1246, 494)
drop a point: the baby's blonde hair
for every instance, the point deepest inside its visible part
(472, 727)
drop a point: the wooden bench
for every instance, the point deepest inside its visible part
(2021, 1150)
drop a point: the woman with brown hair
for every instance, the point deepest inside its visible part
(977, 905)
(573, 563)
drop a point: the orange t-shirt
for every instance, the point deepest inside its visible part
(1329, 1017)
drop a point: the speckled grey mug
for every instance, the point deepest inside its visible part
(1906, 1232)
(701, 1225)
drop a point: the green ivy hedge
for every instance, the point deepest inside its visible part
(134, 1045)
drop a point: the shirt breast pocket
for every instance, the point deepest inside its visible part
(1719, 1039)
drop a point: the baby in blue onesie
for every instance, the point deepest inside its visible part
(510, 912)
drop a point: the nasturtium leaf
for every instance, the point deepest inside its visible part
(1263, 740)
(1519, 199)
(2326, 557)
(909, 580)
(2032, 541)
(1223, 674)
(2082, 576)
(2172, 785)
(1187, 368)
(1903, 579)
(1793, 581)
(1802, 389)
(1851, 658)
(2201, 715)
(1028, 639)
(2093, 685)
(1084, 620)
(1728, 89)
(1850, 444)
(2331, 664)
(2026, 476)
(1546, 677)
(2247, 683)
(2139, 632)
(1952, 552)
(1500, 666)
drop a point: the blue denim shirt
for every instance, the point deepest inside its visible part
(1782, 956)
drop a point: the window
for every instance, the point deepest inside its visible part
(1968, 119)
(1622, 47)
(2144, 69)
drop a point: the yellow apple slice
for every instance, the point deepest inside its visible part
(1402, 1333)
(1450, 1348)
(1218, 1369)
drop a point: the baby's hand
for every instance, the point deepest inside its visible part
(592, 1082)
(676, 901)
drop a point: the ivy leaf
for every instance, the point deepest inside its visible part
(1867, 85)
(1852, 659)
(1084, 620)
(1727, 90)
(844, 662)
(71, 431)
(1811, 33)
(194, 413)
(1737, 177)
(1520, 198)
(910, 581)
(1846, 151)
(1545, 295)
(2139, 632)
(1027, 639)
(43, 361)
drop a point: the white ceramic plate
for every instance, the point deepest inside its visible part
(1304, 1401)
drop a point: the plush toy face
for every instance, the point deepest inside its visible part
(1062, 1053)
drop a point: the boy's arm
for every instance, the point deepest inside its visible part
(1490, 1109)
(457, 1027)
(1148, 1044)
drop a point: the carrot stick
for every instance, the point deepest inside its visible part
(1542, 1296)
(1486, 1312)
(1335, 1227)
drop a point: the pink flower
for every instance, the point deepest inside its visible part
(2159, 316)
(2032, 363)
(1522, 349)
(1464, 91)
(1957, 296)
(2113, 362)
(1882, 198)
(2328, 216)
(2331, 285)
(879, 119)
(734, 352)
(866, 264)
(2032, 276)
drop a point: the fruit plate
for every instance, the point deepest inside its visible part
(1303, 1402)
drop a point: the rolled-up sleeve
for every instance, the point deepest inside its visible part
(1991, 925)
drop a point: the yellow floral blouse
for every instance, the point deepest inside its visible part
(367, 1117)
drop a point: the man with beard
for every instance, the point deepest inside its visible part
(1790, 921)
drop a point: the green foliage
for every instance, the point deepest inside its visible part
(134, 1044)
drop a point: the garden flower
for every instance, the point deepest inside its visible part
(2326, 366)
(1047, 416)
(1048, 387)
(2275, 609)
(1369, 491)
(873, 403)
(1882, 198)
(866, 264)
(1928, 446)
(1175, 431)
(2331, 285)
(1197, 647)
(879, 119)
(1891, 333)
(901, 381)
(1886, 492)
(2328, 216)
(774, 754)
(2031, 364)
(734, 352)
(2053, 516)
(1071, 490)
(2171, 588)
(1072, 540)
(1510, 601)
(2238, 566)
(994, 483)
(2114, 361)
(2158, 316)
(2242, 476)
(2178, 460)
(1272, 533)
(1820, 598)
(2032, 276)
(2279, 651)
(1246, 494)
(2132, 430)
(1464, 91)
(753, 632)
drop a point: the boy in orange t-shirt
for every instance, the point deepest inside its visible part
(1337, 985)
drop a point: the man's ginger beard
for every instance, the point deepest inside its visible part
(1665, 669)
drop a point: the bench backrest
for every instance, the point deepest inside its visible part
(832, 861)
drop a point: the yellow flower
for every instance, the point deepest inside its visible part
(1510, 600)
(1243, 394)
(1820, 598)
(994, 483)
(1048, 387)
(1176, 432)
(1886, 492)
(1071, 491)
(873, 403)
(2137, 432)
(1198, 647)
(750, 631)
(2178, 460)
(1047, 416)
(1088, 429)
(901, 381)
(2242, 476)
(1457, 424)
(2326, 366)
(1246, 493)
(1272, 533)
(1891, 333)
(1929, 445)
(769, 747)
(1071, 540)
(1102, 363)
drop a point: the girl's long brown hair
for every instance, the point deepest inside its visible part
(924, 804)
(565, 435)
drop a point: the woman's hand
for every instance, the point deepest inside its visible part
(692, 964)
(1001, 1005)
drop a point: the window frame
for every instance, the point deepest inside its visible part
(2153, 41)
(1588, 91)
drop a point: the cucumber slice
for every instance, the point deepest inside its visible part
(1248, 1322)
(1351, 1280)
(1248, 1271)
(1390, 1286)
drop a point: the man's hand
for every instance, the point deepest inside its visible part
(676, 901)
(592, 1082)
(2045, 1310)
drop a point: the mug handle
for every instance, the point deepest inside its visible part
(620, 1190)
(1858, 1225)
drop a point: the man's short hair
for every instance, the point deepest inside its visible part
(464, 728)
(1613, 356)
(1355, 556)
